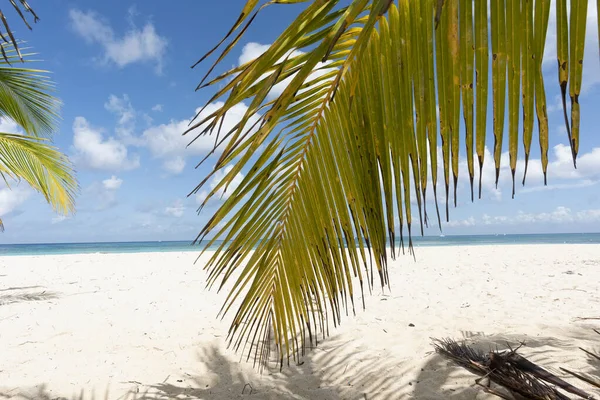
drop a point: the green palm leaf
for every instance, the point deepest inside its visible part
(42, 166)
(25, 99)
(337, 160)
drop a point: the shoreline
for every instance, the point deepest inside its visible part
(89, 248)
(144, 323)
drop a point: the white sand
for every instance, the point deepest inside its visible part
(144, 323)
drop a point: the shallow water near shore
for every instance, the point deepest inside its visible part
(179, 246)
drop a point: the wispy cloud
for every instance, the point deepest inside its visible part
(12, 197)
(166, 141)
(253, 50)
(112, 183)
(136, 45)
(559, 215)
(176, 209)
(214, 182)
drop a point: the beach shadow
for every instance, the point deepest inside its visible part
(438, 375)
(41, 392)
(11, 298)
(321, 374)
(324, 373)
(222, 379)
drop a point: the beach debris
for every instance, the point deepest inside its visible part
(592, 380)
(507, 369)
(249, 386)
(411, 325)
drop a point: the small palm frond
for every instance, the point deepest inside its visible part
(343, 155)
(20, 7)
(25, 95)
(42, 166)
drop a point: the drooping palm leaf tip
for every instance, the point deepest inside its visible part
(21, 7)
(26, 99)
(339, 143)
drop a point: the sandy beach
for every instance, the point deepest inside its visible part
(144, 326)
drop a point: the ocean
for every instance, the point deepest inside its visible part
(167, 246)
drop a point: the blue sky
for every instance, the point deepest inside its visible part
(123, 73)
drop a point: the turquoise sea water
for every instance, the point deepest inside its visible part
(143, 247)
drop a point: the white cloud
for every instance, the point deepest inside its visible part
(560, 215)
(136, 45)
(167, 142)
(93, 151)
(253, 50)
(561, 174)
(9, 126)
(58, 219)
(461, 223)
(214, 182)
(11, 198)
(176, 210)
(489, 220)
(112, 183)
(157, 108)
(174, 165)
(588, 215)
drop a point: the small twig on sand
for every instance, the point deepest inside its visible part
(583, 378)
(247, 385)
(587, 318)
(589, 353)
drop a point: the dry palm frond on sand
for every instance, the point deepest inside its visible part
(592, 380)
(509, 370)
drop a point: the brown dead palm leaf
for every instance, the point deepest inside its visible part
(510, 370)
(592, 379)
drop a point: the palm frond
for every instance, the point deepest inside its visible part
(345, 153)
(42, 166)
(25, 95)
(20, 7)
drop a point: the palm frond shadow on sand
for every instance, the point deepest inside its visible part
(320, 375)
(323, 374)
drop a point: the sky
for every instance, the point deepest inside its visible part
(122, 71)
